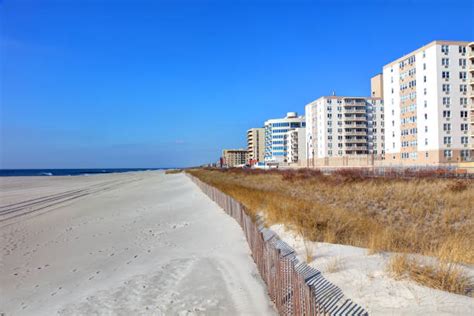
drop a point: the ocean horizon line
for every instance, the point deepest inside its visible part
(4, 172)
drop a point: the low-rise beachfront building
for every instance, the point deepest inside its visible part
(256, 145)
(276, 145)
(296, 143)
(343, 131)
(234, 157)
(427, 92)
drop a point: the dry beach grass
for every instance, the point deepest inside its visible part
(422, 215)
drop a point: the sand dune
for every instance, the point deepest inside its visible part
(134, 243)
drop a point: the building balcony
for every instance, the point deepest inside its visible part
(355, 141)
(354, 118)
(355, 111)
(356, 124)
(470, 54)
(355, 133)
(354, 103)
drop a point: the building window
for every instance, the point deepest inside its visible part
(445, 75)
(448, 153)
(462, 62)
(445, 49)
(462, 49)
(463, 113)
(464, 140)
(462, 88)
(464, 127)
(447, 114)
(462, 75)
(446, 127)
(446, 101)
(445, 62)
(447, 140)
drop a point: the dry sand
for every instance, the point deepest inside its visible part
(134, 243)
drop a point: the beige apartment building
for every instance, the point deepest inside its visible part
(428, 105)
(376, 86)
(234, 157)
(256, 145)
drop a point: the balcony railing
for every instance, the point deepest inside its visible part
(358, 124)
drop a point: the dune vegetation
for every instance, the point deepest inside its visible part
(422, 215)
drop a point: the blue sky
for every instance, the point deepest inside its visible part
(171, 83)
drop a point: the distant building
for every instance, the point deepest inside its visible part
(341, 126)
(429, 109)
(234, 157)
(276, 148)
(296, 144)
(256, 145)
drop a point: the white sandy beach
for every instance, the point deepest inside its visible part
(134, 243)
(364, 278)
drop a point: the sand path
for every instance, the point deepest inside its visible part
(134, 243)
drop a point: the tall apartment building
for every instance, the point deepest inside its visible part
(341, 128)
(426, 95)
(276, 146)
(234, 157)
(470, 51)
(296, 144)
(256, 144)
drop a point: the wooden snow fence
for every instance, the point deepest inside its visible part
(293, 286)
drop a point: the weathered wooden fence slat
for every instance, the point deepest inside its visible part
(294, 287)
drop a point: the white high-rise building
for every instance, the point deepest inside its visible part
(344, 127)
(470, 62)
(276, 145)
(296, 144)
(427, 110)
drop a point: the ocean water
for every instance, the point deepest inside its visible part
(66, 172)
